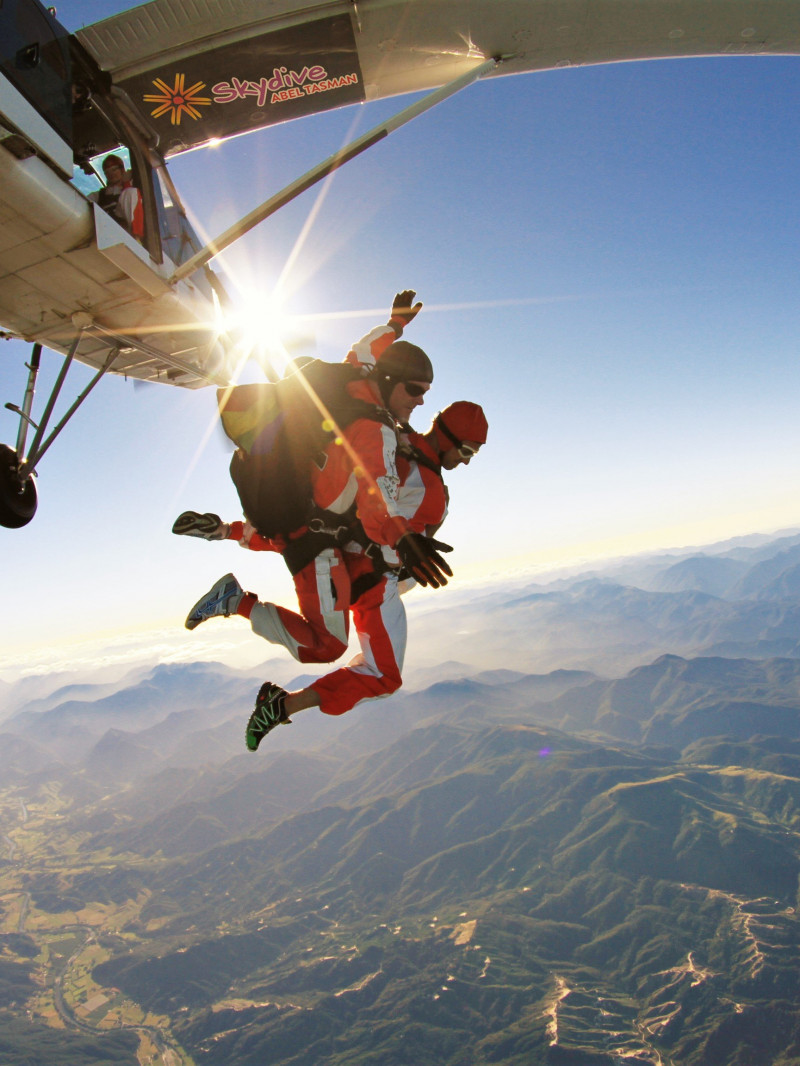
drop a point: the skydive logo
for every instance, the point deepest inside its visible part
(282, 86)
(177, 100)
(285, 84)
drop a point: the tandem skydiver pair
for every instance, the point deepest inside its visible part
(375, 500)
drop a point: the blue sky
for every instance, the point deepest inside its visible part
(607, 258)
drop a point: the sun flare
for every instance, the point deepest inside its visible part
(262, 328)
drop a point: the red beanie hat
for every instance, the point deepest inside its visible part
(459, 422)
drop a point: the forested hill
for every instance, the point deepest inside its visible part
(482, 887)
(577, 866)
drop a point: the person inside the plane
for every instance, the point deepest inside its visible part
(120, 197)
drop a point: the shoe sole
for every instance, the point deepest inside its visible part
(217, 588)
(192, 522)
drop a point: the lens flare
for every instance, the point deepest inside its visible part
(259, 324)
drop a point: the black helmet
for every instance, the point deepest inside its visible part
(401, 361)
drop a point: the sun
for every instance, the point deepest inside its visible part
(262, 329)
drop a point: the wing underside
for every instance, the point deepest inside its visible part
(223, 67)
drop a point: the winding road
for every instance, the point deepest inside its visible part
(169, 1056)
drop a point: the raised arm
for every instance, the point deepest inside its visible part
(365, 352)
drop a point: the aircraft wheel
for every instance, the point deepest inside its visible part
(17, 501)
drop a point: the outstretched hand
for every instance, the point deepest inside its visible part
(420, 557)
(404, 309)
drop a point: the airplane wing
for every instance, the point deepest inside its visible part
(233, 83)
(217, 68)
(170, 75)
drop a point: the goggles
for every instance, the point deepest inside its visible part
(466, 451)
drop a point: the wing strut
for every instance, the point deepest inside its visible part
(27, 465)
(18, 497)
(333, 162)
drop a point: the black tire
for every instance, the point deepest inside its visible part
(17, 501)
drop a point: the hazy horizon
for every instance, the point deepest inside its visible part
(231, 641)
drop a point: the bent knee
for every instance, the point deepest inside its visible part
(390, 683)
(324, 651)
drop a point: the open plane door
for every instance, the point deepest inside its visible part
(244, 85)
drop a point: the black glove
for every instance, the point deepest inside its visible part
(402, 311)
(420, 556)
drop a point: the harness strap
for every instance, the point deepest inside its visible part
(325, 529)
(329, 529)
(414, 454)
(363, 584)
(299, 552)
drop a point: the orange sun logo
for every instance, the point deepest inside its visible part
(177, 100)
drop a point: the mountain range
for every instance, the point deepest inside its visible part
(582, 865)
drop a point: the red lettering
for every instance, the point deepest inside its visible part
(276, 82)
(263, 91)
(332, 83)
(284, 85)
(223, 93)
(286, 94)
(298, 79)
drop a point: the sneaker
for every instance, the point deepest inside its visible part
(270, 711)
(221, 599)
(207, 526)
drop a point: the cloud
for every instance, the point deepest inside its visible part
(234, 646)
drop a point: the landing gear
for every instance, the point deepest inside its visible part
(17, 495)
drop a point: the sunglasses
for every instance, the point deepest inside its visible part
(414, 391)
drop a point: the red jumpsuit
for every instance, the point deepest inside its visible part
(360, 468)
(379, 616)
